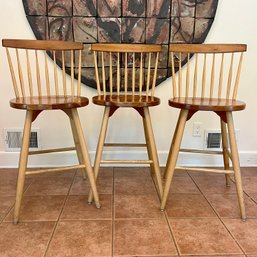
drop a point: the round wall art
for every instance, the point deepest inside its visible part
(121, 21)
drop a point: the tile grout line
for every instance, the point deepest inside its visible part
(219, 217)
(172, 233)
(58, 219)
(167, 221)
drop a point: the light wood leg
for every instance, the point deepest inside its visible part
(22, 164)
(77, 146)
(171, 146)
(100, 145)
(84, 154)
(148, 147)
(153, 151)
(174, 156)
(236, 164)
(224, 147)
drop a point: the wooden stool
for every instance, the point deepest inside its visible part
(208, 92)
(36, 95)
(128, 72)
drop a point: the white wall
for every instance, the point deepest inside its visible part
(235, 22)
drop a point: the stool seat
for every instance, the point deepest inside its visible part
(126, 101)
(48, 102)
(206, 104)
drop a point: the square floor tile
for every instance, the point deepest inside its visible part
(188, 205)
(77, 208)
(214, 184)
(143, 238)
(53, 185)
(227, 205)
(82, 238)
(137, 206)
(203, 236)
(133, 183)
(24, 239)
(8, 185)
(248, 171)
(183, 185)
(81, 186)
(6, 202)
(40, 208)
(250, 184)
(245, 232)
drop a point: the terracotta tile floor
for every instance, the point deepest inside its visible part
(201, 219)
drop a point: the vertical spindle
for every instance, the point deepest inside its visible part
(20, 73)
(230, 76)
(14, 81)
(47, 75)
(203, 77)
(29, 73)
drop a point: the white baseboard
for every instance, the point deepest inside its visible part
(10, 159)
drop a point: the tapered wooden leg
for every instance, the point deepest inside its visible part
(148, 147)
(172, 143)
(174, 156)
(153, 151)
(22, 164)
(77, 146)
(84, 154)
(100, 145)
(236, 164)
(224, 148)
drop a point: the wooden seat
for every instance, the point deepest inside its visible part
(208, 82)
(206, 104)
(48, 102)
(126, 101)
(38, 87)
(128, 72)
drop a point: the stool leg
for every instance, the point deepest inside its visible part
(22, 164)
(170, 167)
(236, 164)
(77, 146)
(149, 153)
(171, 146)
(85, 155)
(153, 151)
(224, 148)
(100, 145)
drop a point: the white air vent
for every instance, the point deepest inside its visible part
(13, 139)
(213, 140)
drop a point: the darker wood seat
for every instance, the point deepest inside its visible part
(126, 101)
(206, 104)
(48, 103)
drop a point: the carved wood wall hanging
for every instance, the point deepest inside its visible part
(126, 21)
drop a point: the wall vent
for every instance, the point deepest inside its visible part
(13, 139)
(213, 140)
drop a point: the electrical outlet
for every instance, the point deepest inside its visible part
(197, 129)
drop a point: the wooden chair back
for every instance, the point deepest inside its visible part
(124, 69)
(206, 70)
(31, 70)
